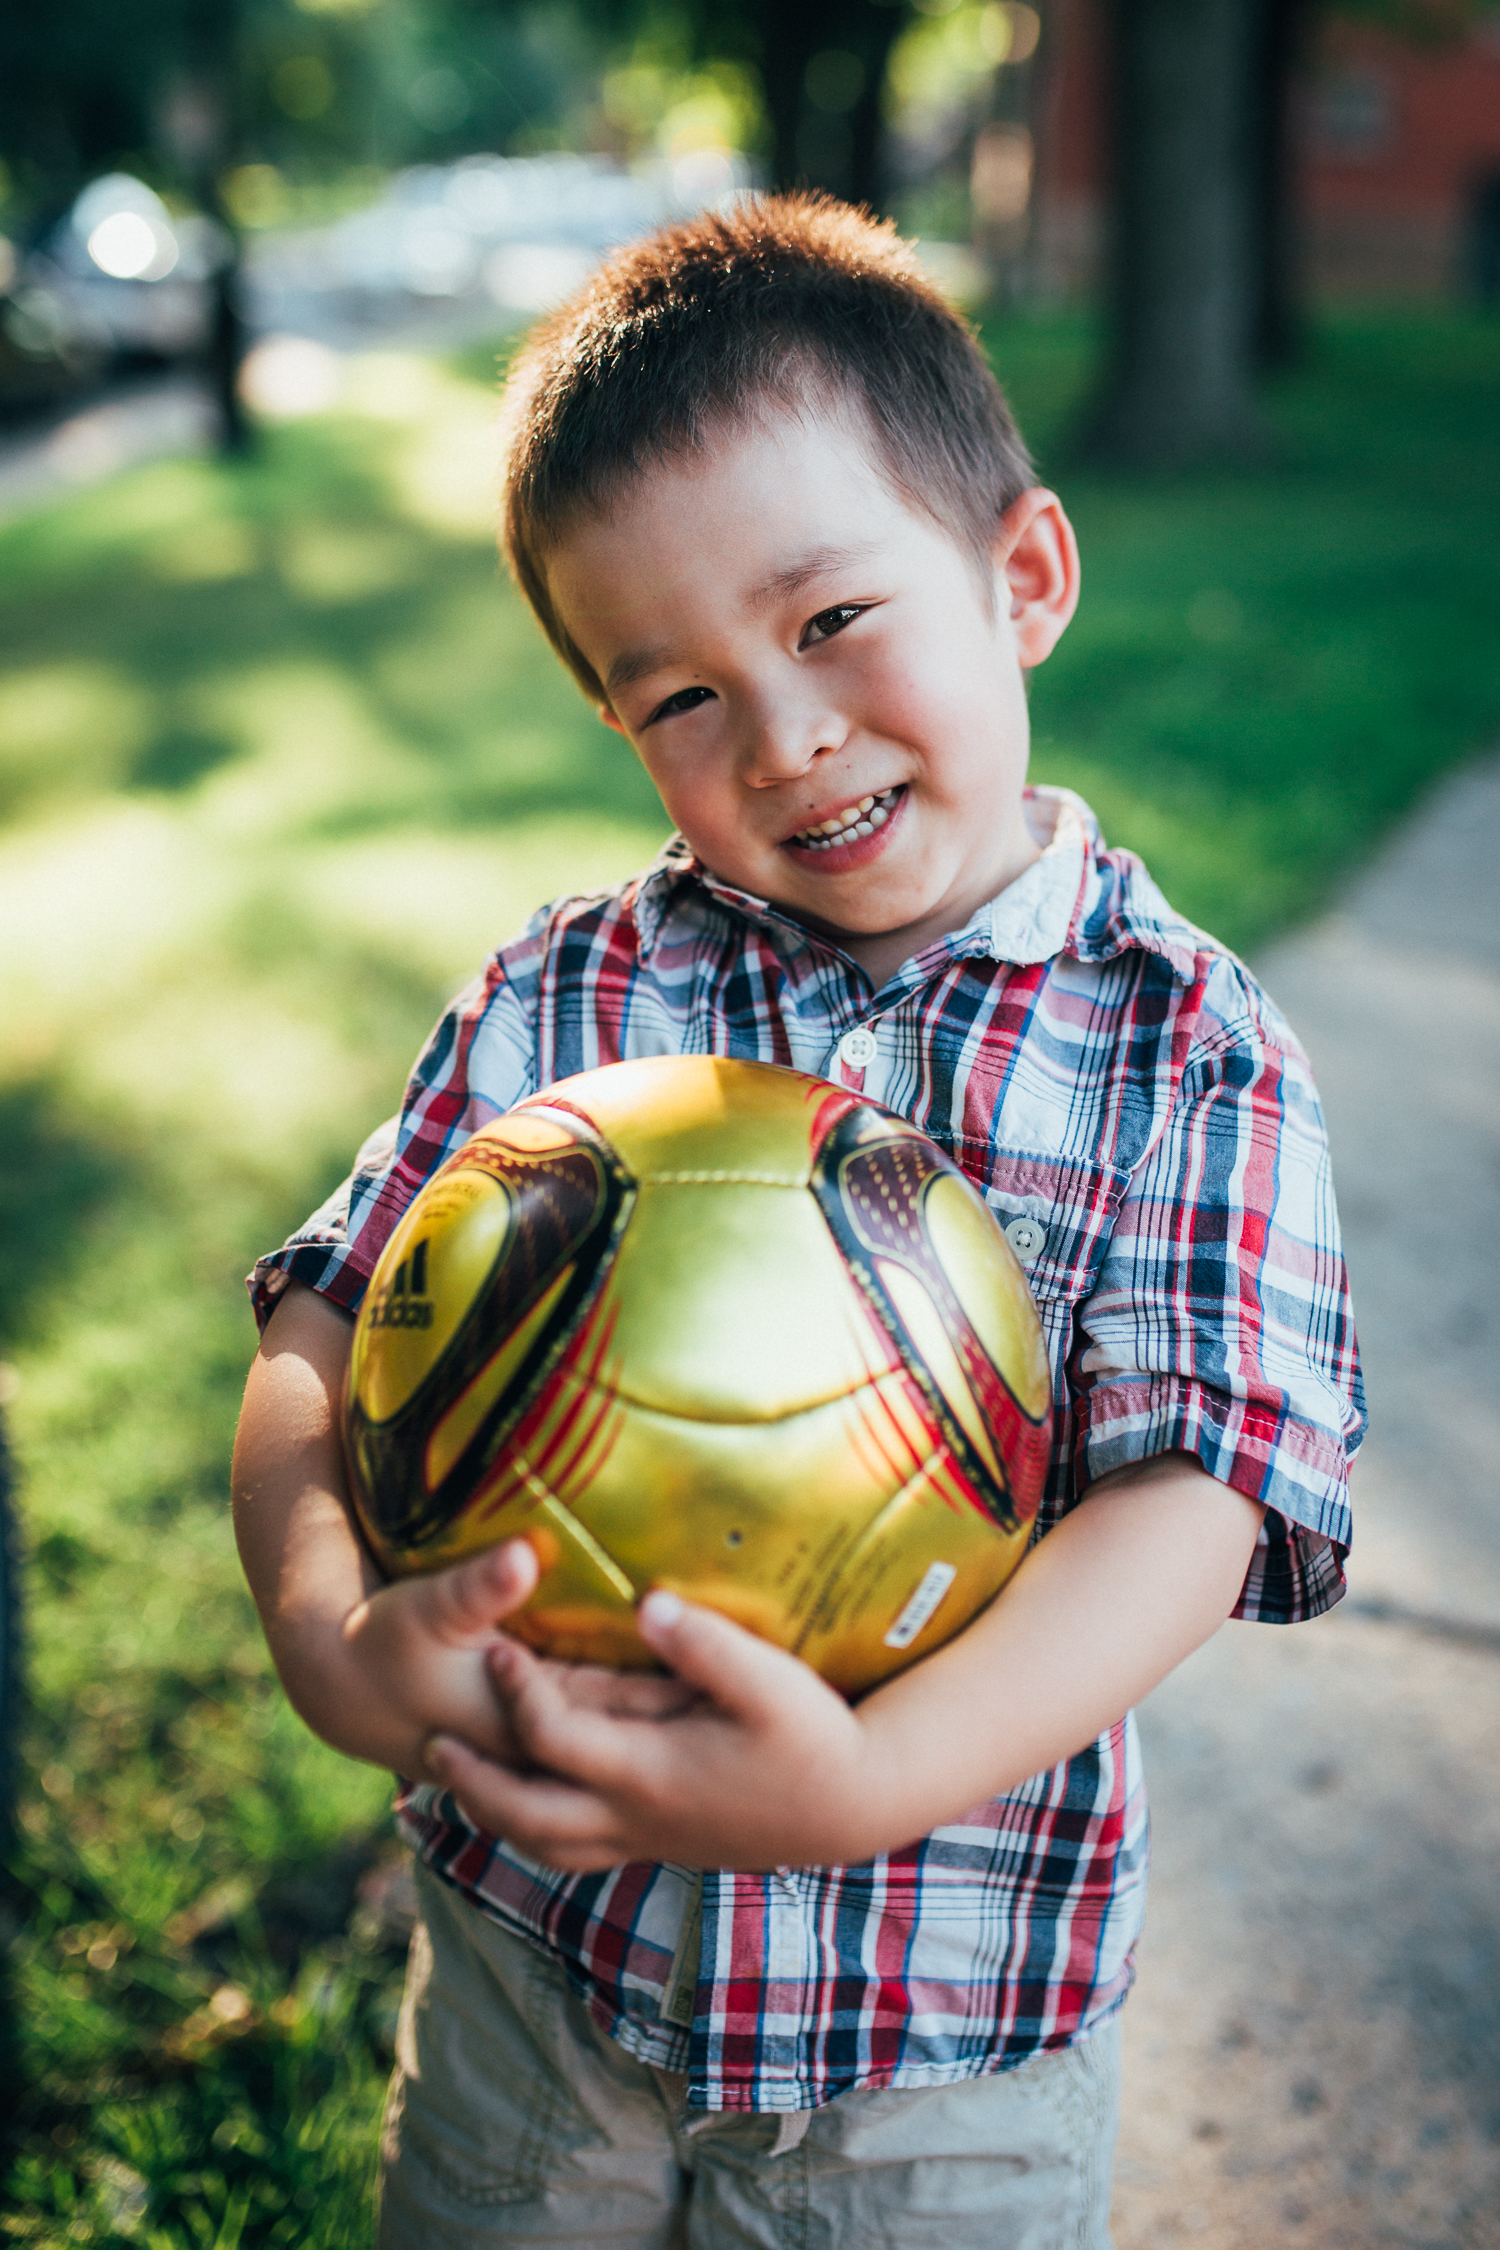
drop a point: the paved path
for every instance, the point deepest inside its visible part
(1314, 2045)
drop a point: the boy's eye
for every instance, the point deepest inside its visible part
(686, 699)
(828, 622)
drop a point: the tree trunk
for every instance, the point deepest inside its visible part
(209, 145)
(843, 152)
(880, 28)
(1277, 331)
(790, 35)
(1178, 385)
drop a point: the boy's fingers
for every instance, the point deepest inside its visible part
(634, 1695)
(737, 1670)
(583, 1745)
(470, 1598)
(594, 1687)
(552, 1820)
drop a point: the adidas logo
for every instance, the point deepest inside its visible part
(406, 1303)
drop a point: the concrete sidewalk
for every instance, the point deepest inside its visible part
(1313, 2050)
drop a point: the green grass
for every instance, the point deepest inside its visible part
(280, 758)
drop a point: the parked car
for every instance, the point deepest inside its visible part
(119, 282)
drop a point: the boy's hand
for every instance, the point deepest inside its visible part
(759, 1762)
(414, 1655)
(418, 1653)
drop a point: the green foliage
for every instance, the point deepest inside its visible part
(282, 758)
(1267, 666)
(310, 88)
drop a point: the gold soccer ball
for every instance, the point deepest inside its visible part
(713, 1326)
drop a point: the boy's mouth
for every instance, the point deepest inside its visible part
(850, 824)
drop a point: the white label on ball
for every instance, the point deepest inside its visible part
(936, 1580)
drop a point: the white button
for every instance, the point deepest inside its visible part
(858, 1047)
(1027, 1239)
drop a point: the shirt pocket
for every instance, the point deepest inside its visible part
(1058, 1216)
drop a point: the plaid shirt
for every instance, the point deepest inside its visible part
(1103, 1069)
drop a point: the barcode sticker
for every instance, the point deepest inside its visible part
(936, 1580)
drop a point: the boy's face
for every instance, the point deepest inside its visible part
(814, 677)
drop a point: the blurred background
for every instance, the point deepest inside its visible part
(282, 757)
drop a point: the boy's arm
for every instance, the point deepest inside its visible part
(774, 1768)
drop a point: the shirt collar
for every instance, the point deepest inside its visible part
(1076, 899)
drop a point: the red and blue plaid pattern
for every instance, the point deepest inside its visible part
(1103, 1070)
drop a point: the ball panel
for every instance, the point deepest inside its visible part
(991, 1288)
(927, 1565)
(423, 1288)
(528, 1134)
(583, 1595)
(732, 1303)
(873, 1189)
(730, 1519)
(698, 1114)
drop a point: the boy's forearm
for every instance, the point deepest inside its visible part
(1136, 1578)
(305, 1564)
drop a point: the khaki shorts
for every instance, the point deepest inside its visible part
(514, 2119)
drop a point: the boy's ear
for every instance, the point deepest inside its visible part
(1036, 572)
(609, 718)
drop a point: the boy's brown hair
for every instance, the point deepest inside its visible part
(781, 298)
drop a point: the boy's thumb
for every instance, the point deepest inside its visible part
(471, 1597)
(734, 1668)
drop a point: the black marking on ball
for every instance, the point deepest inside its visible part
(568, 1206)
(872, 1193)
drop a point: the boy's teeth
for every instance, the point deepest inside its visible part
(855, 820)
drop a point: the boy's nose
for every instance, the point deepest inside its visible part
(785, 740)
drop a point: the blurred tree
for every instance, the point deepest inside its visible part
(1282, 50)
(74, 95)
(1203, 286)
(1178, 378)
(77, 97)
(1279, 46)
(200, 123)
(823, 69)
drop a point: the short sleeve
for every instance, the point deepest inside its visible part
(1219, 1324)
(479, 1062)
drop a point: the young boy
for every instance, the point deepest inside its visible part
(716, 1957)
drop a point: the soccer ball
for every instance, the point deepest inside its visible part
(714, 1326)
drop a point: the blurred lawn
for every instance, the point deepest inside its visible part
(280, 759)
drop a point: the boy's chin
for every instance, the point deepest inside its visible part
(873, 924)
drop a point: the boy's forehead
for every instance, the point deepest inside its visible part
(751, 447)
(767, 505)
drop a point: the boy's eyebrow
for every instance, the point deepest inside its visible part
(638, 663)
(635, 664)
(816, 563)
